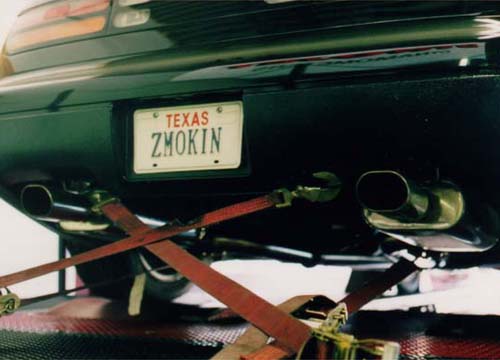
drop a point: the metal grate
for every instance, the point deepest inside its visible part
(422, 346)
(35, 346)
(40, 335)
(196, 333)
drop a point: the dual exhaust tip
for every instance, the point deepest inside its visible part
(391, 203)
(430, 216)
(386, 192)
(389, 192)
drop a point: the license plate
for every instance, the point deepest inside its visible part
(188, 138)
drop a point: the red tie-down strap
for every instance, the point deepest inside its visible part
(142, 238)
(253, 339)
(254, 309)
(142, 235)
(289, 333)
(263, 315)
(257, 349)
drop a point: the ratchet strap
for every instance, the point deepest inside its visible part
(289, 334)
(253, 344)
(257, 311)
(292, 332)
(142, 238)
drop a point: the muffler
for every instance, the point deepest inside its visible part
(431, 216)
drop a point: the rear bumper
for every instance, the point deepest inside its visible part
(416, 125)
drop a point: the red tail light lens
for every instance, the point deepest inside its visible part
(57, 21)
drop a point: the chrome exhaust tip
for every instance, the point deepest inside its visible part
(429, 216)
(45, 203)
(73, 212)
(36, 200)
(388, 192)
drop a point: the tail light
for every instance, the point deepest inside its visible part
(57, 21)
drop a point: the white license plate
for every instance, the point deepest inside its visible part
(188, 138)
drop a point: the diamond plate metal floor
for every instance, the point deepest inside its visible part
(91, 328)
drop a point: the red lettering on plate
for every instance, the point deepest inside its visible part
(196, 120)
(185, 122)
(204, 117)
(187, 119)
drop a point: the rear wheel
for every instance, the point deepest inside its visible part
(161, 285)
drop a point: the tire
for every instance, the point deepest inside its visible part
(162, 286)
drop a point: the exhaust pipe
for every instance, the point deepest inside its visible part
(388, 192)
(54, 205)
(72, 212)
(430, 216)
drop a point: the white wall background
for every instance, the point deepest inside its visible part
(25, 243)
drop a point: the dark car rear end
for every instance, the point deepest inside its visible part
(344, 87)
